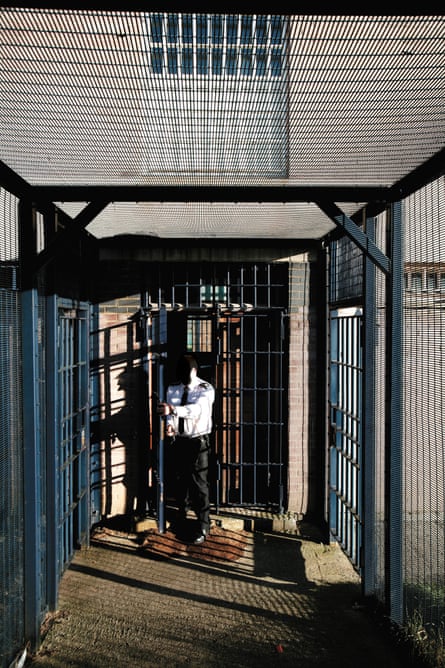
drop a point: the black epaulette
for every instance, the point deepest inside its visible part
(204, 385)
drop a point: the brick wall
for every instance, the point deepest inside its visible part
(119, 417)
(305, 484)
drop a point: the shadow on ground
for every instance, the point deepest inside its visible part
(241, 599)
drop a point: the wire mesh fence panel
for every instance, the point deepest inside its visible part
(424, 413)
(11, 435)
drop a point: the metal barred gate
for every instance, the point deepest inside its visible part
(345, 442)
(244, 355)
(72, 407)
(251, 441)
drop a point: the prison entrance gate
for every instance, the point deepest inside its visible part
(345, 437)
(71, 430)
(243, 355)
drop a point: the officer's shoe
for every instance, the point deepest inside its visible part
(200, 538)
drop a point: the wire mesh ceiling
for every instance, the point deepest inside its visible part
(132, 98)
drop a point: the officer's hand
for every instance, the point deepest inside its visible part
(163, 408)
(170, 431)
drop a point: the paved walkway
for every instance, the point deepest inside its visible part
(242, 599)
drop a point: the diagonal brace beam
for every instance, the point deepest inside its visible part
(71, 231)
(353, 231)
(21, 189)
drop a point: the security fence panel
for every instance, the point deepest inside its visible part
(11, 437)
(345, 449)
(360, 474)
(424, 414)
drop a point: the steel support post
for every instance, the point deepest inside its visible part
(32, 468)
(368, 560)
(394, 418)
(161, 443)
(53, 567)
(31, 429)
(95, 455)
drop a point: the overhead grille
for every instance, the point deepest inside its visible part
(230, 220)
(106, 98)
(122, 97)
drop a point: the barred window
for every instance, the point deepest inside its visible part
(172, 60)
(416, 281)
(217, 58)
(172, 28)
(156, 59)
(217, 30)
(217, 45)
(156, 27)
(427, 277)
(187, 29)
(246, 29)
(187, 61)
(431, 282)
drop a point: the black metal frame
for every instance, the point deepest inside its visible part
(377, 198)
(304, 8)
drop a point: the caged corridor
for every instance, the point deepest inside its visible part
(266, 191)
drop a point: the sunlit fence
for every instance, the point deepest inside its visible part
(424, 410)
(419, 585)
(11, 436)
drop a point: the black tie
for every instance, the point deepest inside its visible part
(183, 403)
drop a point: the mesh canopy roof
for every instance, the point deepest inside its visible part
(128, 98)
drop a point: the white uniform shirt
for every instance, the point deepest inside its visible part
(197, 412)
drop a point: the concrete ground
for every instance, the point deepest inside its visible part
(244, 598)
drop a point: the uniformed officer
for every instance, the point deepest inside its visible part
(188, 412)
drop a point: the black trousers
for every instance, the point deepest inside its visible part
(192, 486)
